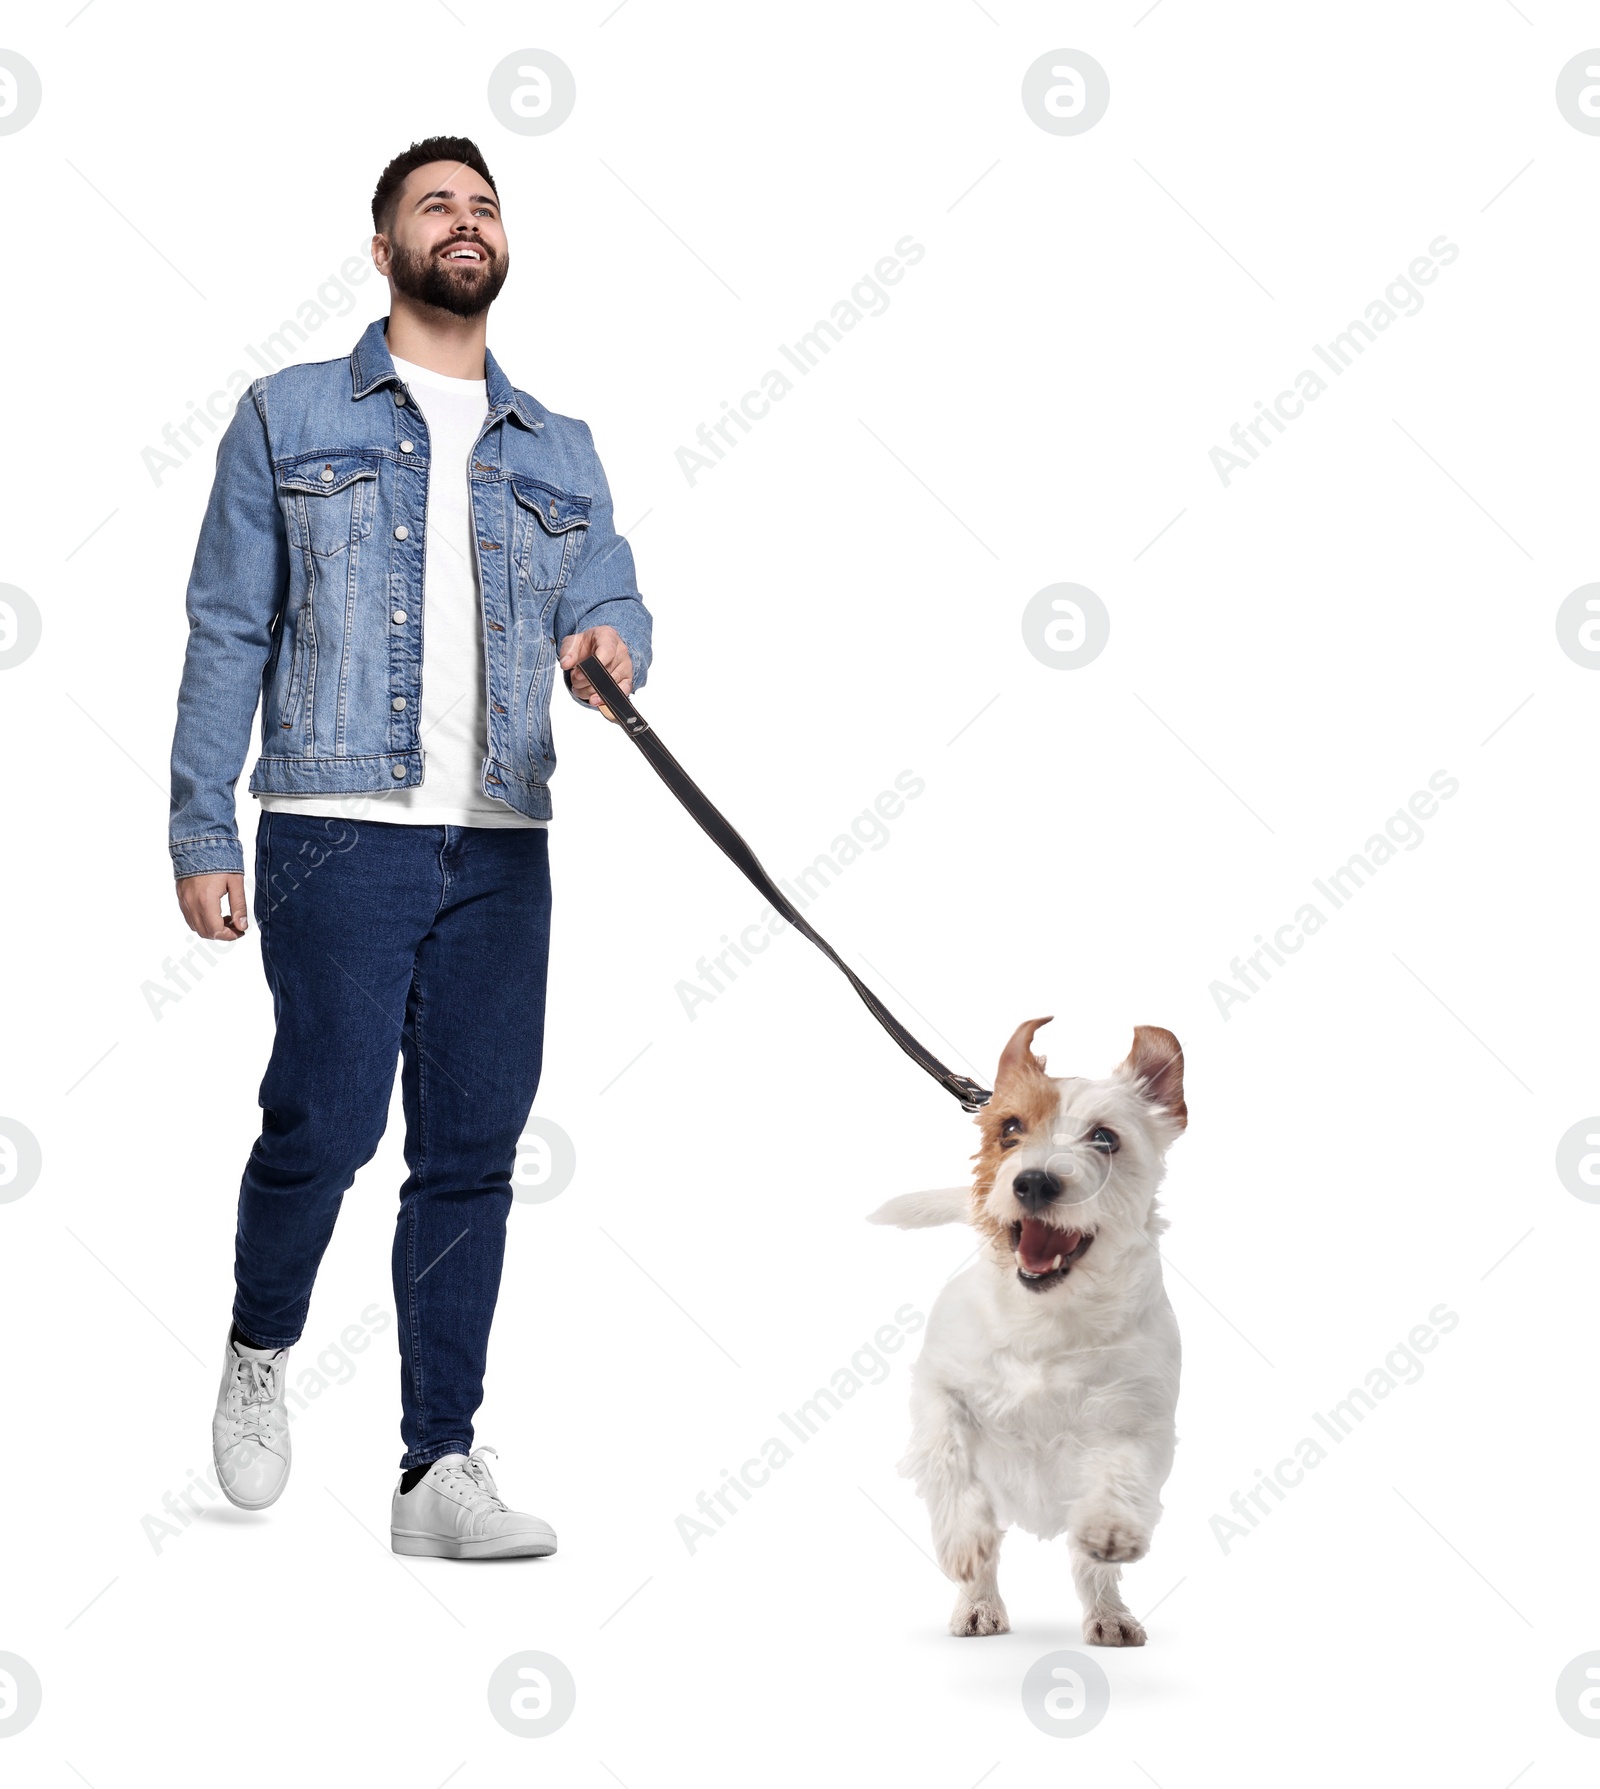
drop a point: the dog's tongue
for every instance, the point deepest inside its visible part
(1041, 1244)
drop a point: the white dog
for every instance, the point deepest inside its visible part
(1045, 1391)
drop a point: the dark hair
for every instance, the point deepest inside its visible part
(386, 198)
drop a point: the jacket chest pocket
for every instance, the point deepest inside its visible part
(548, 534)
(331, 498)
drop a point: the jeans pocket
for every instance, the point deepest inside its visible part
(262, 903)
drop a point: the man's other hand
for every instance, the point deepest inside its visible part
(604, 643)
(200, 897)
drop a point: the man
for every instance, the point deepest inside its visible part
(394, 546)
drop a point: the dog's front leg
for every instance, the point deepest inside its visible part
(1119, 1503)
(1110, 1525)
(966, 1535)
(1107, 1620)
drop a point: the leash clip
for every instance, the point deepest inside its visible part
(973, 1097)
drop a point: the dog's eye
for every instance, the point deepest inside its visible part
(1104, 1140)
(1010, 1133)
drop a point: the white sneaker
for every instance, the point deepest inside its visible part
(250, 1431)
(455, 1512)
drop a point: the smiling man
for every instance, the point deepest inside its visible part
(400, 551)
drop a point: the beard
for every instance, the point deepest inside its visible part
(465, 289)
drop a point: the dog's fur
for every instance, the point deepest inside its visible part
(1047, 1398)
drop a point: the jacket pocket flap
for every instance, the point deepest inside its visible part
(557, 510)
(321, 474)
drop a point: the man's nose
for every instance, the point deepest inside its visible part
(1035, 1188)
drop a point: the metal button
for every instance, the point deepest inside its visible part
(397, 703)
(398, 616)
(402, 532)
(327, 475)
(400, 399)
(552, 512)
(407, 447)
(398, 772)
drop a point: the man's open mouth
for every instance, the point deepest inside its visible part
(464, 251)
(1045, 1254)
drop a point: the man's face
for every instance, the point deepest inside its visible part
(447, 246)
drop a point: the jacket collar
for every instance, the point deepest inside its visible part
(372, 368)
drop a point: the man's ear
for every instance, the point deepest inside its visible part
(1156, 1063)
(1017, 1058)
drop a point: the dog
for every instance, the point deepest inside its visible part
(1047, 1385)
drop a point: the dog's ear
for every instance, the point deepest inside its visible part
(1017, 1058)
(1156, 1062)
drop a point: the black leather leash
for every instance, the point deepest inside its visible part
(678, 780)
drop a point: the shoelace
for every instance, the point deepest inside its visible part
(257, 1384)
(476, 1480)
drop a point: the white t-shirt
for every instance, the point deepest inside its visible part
(454, 727)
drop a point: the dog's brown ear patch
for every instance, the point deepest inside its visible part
(1017, 1058)
(1021, 1090)
(1156, 1061)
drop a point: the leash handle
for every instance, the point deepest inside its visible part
(717, 828)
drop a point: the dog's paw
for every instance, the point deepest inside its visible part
(1112, 1628)
(985, 1616)
(1113, 1540)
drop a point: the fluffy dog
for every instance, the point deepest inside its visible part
(1045, 1391)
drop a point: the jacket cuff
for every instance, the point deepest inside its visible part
(207, 857)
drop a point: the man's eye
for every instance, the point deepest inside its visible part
(1104, 1140)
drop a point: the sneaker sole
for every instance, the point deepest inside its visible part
(535, 1543)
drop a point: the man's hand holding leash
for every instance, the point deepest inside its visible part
(606, 644)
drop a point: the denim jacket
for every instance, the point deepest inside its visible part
(307, 592)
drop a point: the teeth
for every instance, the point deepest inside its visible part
(1055, 1264)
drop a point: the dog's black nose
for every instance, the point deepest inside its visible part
(1036, 1187)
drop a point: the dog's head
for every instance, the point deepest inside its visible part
(1069, 1164)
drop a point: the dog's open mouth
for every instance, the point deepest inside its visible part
(1045, 1254)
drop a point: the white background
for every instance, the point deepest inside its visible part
(1296, 654)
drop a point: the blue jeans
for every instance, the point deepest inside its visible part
(429, 943)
